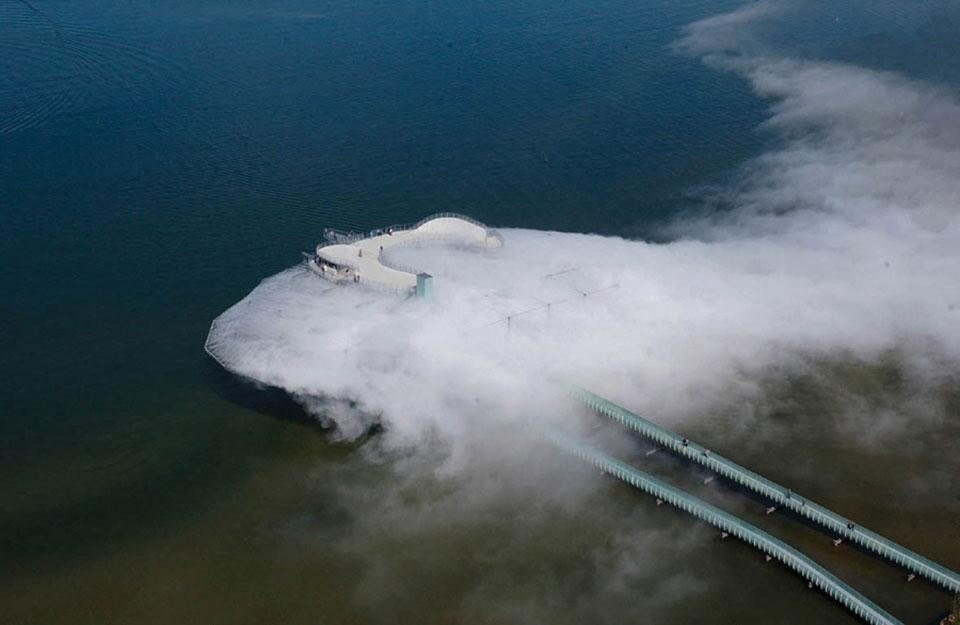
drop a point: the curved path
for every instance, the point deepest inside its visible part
(730, 524)
(779, 495)
(359, 258)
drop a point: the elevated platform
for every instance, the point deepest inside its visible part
(358, 258)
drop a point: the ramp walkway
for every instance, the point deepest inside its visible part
(779, 495)
(776, 549)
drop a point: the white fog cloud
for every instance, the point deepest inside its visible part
(843, 240)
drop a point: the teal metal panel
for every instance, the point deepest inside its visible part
(778, 494)
(424, 285)
(726, 522)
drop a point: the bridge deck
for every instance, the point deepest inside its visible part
(807, 568)
(779, 495)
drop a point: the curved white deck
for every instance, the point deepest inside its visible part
(361, 260)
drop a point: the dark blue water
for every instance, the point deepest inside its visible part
(158, 162)
(158, 159)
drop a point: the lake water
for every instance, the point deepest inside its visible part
(158, 160)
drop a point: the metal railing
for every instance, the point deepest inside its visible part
(773, 547)
(398, 266)
(341, 237)
(386, 288)
(779, 495)
(347, 237)
(420, 238)
(365, 281)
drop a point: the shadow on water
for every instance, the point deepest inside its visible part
(271, 401)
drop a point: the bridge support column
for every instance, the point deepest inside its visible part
(424, 285)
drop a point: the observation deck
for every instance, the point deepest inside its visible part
(359, 257)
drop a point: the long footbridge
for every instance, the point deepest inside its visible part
(772, 547)
(780, 496)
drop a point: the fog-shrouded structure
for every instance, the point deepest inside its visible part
(843, 239)
(359, 257)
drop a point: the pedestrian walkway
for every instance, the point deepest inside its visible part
(779, 496)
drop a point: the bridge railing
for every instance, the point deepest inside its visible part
(385, 287)
(460, 216)
(807, 568)
(779, 495)
(386, 261)
(343, 237)
(427, 237)
(346, 237)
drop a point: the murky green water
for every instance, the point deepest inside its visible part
(158, 161)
